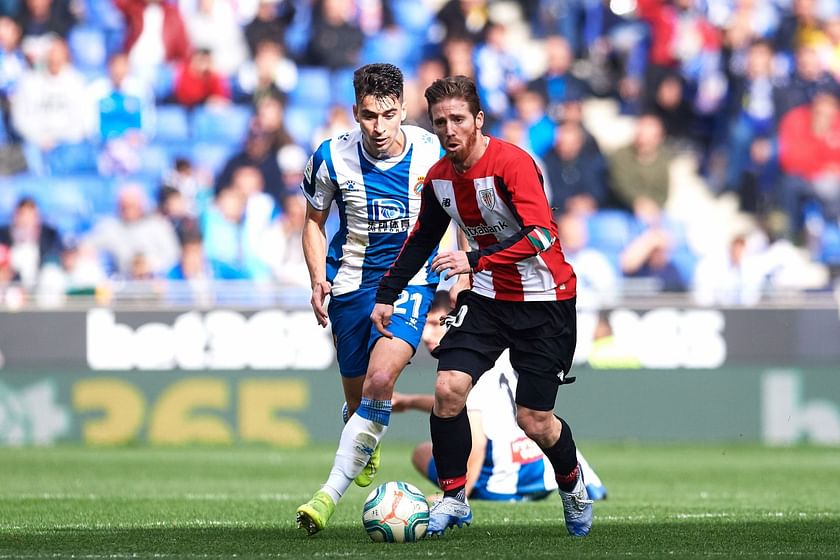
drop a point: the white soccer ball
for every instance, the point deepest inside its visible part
(396, 512)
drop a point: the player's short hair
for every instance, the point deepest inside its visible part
(454, 87)
(382, 81)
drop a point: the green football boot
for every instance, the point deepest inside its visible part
(365, 477)
(314, 514)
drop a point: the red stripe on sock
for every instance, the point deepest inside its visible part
(567, 479)
(452, 483)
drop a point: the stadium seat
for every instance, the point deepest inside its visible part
(88, 50)
(65, 206)
(342, 91)
(155, 159)
(8, 198)
(313, 89)
(301, 122)
(171, 124)
(415, 17)
(224, 124)
(609, 230)
(830, 245)
(394, 46)
(211, 156)
(67, 159)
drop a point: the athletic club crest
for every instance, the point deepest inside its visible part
(487, 196)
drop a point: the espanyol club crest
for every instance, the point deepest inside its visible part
(487, 196)
(418, 186)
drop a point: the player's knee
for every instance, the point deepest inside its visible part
(451, 389)
(379, 384)
(540, 426)
(421, 456)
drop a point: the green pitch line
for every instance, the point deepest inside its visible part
(665, 501)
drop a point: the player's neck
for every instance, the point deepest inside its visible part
(480, 147)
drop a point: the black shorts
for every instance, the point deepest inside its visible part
(541, 336)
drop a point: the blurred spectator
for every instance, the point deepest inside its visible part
(809, 75)
(12, 67)
(339, 120)
(557, 84)
(282, 245)
(830, 50)
(809, 153)
(83, 270)
(531, 110)
(270, 117)
(194, 275)
(192, 183)
(30, 242)
(336, 39)
(292, 159)
(261, 152)
(135, 230)
(598, 282)
(212, 25)
(649, 257)
(428, 70)
(458, 53)
(10, 293)
(269, 74)
(121, 102)
(466, 19)
(798, 27)
(227, 241)
(498, 74)
(40, 22)
(577, 171)
(667, 99)
(174, 206)
(155, 35)
(197, 81)
(49, 107)
(639, 173)
(733, 277)
(269, 23)
(751, 111)
(260, 209)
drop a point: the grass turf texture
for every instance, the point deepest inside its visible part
(678, 501)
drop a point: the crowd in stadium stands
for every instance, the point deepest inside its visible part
(156, 140)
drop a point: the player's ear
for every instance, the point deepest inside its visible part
(403, 111)
(356, 112)
(479, 120)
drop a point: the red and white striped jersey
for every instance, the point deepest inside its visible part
(501, 206)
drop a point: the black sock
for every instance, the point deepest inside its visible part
(451, 446)
(563, 457)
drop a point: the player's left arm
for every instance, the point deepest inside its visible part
(522, 184)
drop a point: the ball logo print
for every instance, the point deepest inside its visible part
(395, 512)
(387, 209)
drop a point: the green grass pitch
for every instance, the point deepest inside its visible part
(677, 501)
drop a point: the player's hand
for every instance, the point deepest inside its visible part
(455, 262)
(381, 317)
(320, 291)
(400, 402)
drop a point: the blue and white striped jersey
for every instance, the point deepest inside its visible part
(377, 203)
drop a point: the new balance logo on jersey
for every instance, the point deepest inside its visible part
(446, 202)
(485, 229)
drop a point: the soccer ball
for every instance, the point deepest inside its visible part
(396, 512)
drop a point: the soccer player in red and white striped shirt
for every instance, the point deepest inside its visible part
(522, 297)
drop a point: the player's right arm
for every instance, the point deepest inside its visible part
(318, 187)
(315, 254)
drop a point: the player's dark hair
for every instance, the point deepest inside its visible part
(454, 87)
(382, 81)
